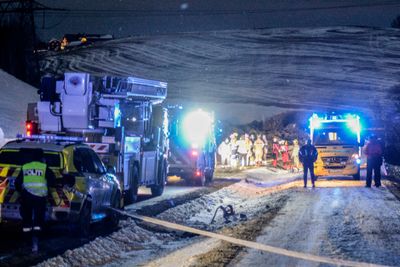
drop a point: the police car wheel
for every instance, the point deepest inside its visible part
(84, 219)
(114, 217)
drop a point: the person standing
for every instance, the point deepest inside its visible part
(295, 155)
(374, 152)
(275, 152)
(249, 148)
(285, 154)
(308, 154)
(234, 150)
(32, 183)
(265, 140)
(242, 151)
(224, 152)
(258, 150)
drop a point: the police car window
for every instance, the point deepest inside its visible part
(97, 162)
(78, 161)
(87, 161)
(15, 157)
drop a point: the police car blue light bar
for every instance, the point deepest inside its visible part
(43, 137)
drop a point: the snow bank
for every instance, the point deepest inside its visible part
(15, 96)
(103, 250)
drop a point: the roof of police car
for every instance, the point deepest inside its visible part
(46, 146)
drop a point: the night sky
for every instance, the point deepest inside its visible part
(124, 18)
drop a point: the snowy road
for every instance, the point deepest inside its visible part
(354, 223)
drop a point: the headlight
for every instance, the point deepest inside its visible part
(197, 126)
(357, 158)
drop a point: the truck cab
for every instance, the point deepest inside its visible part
(337, 139)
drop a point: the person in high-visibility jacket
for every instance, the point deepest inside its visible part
(32, 183)
(259, 150)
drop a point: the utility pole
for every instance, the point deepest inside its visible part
(18, 38)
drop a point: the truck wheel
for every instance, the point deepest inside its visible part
(157, 190)
(357, 175)
(200, 181)
(113, 219)
(209, 176)
(84, 219)
(132, 193)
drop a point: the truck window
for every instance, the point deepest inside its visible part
(334, 137)
(16, 157)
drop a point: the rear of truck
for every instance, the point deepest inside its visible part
(192, 145)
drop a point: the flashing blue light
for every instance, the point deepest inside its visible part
(197, 126)
(44, 137)
(98, 216)
(358, 161)
(117, 116)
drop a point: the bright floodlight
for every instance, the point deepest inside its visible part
(197, 126)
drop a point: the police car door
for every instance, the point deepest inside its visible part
(106, 180)
(94, 185)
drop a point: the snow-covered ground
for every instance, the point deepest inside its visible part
(14, 99)
(352, 223)
(133, 244)
(252, 72)
(339, 219)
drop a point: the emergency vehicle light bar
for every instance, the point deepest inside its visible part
(51, 137)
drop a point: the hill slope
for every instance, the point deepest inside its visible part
(342, 68)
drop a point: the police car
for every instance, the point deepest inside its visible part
(85, 190)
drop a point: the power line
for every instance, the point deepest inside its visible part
(160, 12)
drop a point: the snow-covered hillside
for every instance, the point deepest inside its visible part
(14, 99)
(342, 68)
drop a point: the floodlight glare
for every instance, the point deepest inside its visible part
(197, 126)
(353, 123)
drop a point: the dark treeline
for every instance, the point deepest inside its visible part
(16, 52)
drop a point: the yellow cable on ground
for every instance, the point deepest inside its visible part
(250, 244)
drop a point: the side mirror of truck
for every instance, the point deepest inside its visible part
(111, 169)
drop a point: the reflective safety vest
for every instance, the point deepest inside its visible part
(35, 178)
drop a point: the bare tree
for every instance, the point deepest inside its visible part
(396, 22)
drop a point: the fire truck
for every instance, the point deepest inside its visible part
(337, 138)
(192, 145)
(121, 118)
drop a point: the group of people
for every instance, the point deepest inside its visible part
(246, 150)
(252, 150)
